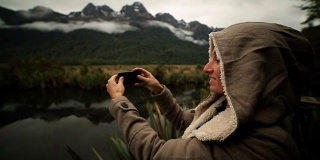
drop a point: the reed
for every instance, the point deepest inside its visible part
(46, 73)
(118, 149)
(160, 124)
(157, 121)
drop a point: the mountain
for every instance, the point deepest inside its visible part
(136, 12)
(101, 35)
(129, 13)
(93, 12)
(168, 18)
(38, 13)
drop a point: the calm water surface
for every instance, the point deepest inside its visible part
(38, 124)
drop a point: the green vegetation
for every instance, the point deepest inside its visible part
(44, 73)
(118, 149)
(28, 74)
(160, 124)
(150, 45)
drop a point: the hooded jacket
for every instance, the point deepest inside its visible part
(262, 66)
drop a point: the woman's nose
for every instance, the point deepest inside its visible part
(207, 69)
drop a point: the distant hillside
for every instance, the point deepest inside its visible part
(151, 46)
(100, 35)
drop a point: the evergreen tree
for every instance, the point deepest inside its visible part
(313, 11)
(312, 32)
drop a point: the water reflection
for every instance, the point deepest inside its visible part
(39, 139)
(42, 124)
(54, 105)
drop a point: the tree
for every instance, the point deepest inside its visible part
(313, 11)
(312, 32)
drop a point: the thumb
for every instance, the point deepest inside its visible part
(121, 79)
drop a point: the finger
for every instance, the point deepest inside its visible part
(142, 78)
(112, 78)
(137, 69)
(120, 81)
(137, 84)
(107, 87)
(142, 70)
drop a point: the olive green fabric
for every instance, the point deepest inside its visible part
(263, 66)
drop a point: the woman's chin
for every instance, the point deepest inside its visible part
(216, 90)
(213, 89)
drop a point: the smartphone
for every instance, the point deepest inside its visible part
(130, 77)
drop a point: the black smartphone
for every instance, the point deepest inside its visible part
(130, 77)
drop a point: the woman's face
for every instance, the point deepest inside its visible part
(212, 68)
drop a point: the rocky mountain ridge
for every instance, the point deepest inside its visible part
(100, 35)
(132, 14)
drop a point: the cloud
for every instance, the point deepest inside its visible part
(68, 104)
(179, 33)
(101, 105)
(107, 27)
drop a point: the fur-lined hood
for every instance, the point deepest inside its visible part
(263, 66)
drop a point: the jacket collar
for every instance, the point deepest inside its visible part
(217, 128)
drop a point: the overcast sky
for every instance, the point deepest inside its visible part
(214, 13)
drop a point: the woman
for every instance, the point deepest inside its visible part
(256, 71)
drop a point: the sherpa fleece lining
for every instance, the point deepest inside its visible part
(223, 124)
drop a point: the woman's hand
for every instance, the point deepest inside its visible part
(115, 89)
(148, 81)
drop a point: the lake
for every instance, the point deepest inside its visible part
(42, 124)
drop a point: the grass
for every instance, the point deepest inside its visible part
(47, 73)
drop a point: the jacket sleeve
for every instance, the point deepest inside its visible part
(144, 142)
(169, 107)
